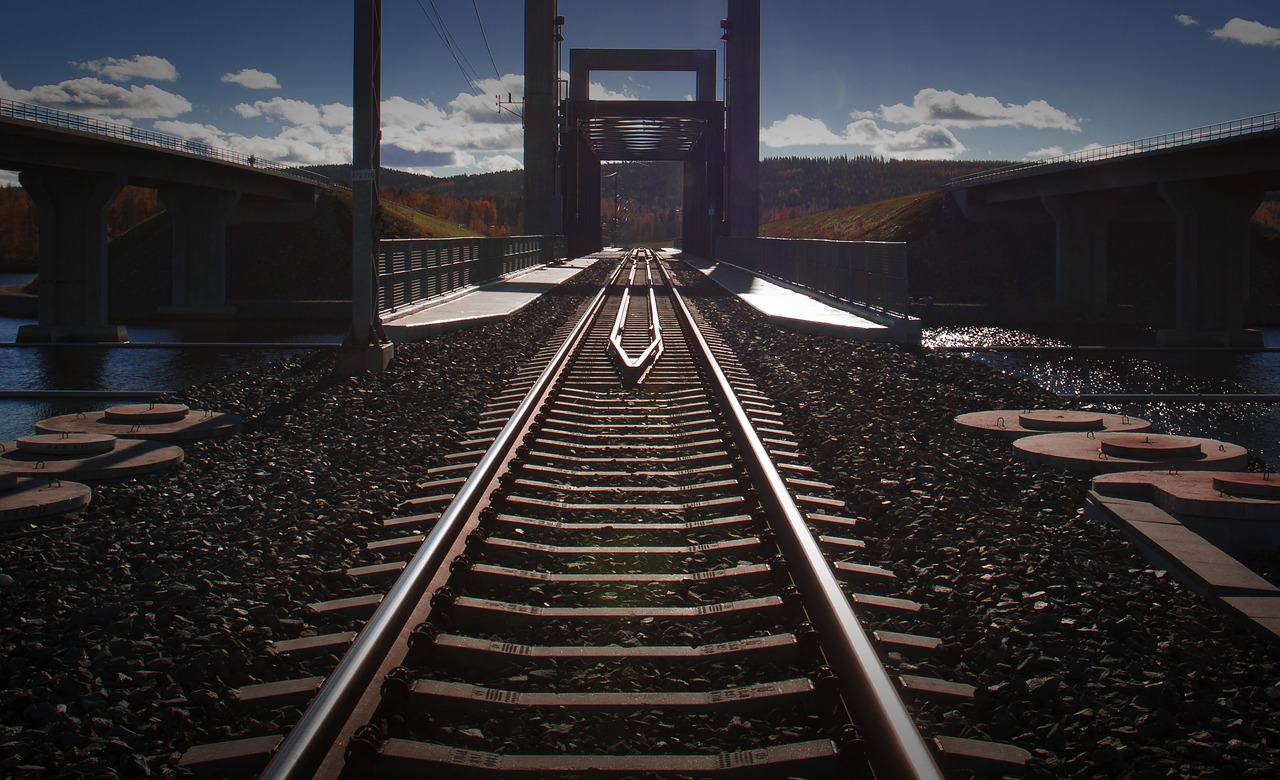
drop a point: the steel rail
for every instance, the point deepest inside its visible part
(635, 367)
(897, 749)
(306, 746)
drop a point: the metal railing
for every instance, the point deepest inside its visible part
(29, 112)
(871, 273)
(412, 270)
(1215, 132)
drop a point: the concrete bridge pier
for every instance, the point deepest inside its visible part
(199, 216)
(582, 226)
(1212, 269)
(73, 254)
(1081, 262)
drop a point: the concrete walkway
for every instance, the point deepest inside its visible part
(781, 304)
(793, 307)
(489, 302)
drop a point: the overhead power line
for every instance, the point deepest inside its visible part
(468, 71)
(480, 22)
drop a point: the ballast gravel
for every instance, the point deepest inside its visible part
(123, 631)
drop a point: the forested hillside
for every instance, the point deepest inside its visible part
(649, 195)
(795, 186)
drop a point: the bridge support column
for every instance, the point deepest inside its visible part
(695, 225)
(1081, 279)
(366, 349)
(742, 103)
(200, 217)
(1212, 264)
(73, 255)
(541, 206)
(582, 202)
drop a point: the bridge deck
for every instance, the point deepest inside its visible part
(496, 300)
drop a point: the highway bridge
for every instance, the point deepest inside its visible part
(73, 166)
(1206, 182)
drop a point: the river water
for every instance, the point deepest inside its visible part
(1255, 426)
(97, 368)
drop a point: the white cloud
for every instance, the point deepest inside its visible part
(251, 78)
(923, 142)
(598, 91)
(1047, 153)
(139, 66)
(952, 109)
(193, 131)
(94, 97)
(501, 162)
(798, 130)
(1248, 32)
(467, 133)
(1088, 151)
(1186, 21)
(293, 111)
(297, 144)
(483, 108)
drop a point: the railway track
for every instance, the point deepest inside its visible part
(628, 578)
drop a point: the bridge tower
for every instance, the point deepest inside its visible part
(718, 148)
(541, 104)
(742, 103)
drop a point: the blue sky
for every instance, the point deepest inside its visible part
(962, 79)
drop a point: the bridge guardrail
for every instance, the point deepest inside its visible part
(412, 270)
(1215, 132)
(54, 118)
(871, 273)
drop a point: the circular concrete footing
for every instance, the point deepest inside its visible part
(59, 444)
(32, 498)
(1151, 447)
(1263, 486)
(145, 414)
(1093, 453)
(127, 458)
(1013, 424)
(193, 425)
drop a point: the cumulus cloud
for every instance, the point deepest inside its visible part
(192, 131)
(1186, 21)
(483, 108)
(94, 97)
(798, 130)
(500, 162)
(1047, 153)
(1248, 32)
(251, 78)
(139, 66)
(298, 112)
(598, 91)
(1052, 152)
(467, 132)
(923, 142)
(952, 109)
(297, 144)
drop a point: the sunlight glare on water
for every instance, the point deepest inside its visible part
(1252, 425)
